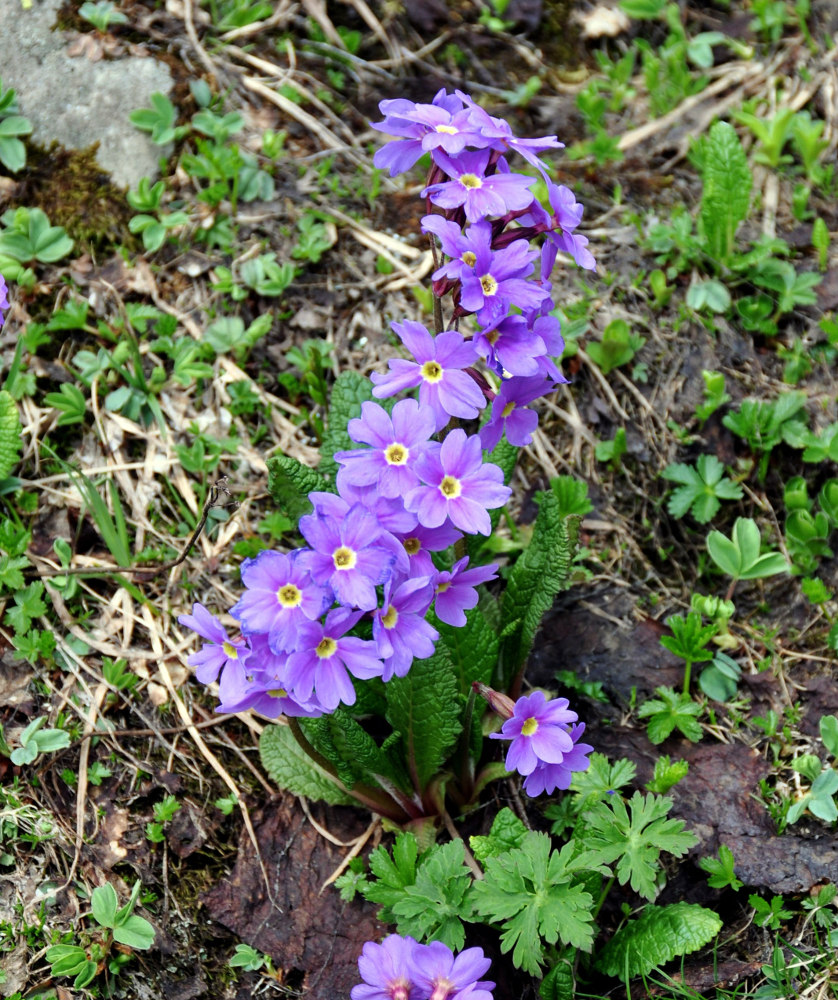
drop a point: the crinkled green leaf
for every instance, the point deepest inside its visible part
(659, 934)
(9, 434)
(539, 573)
(290, 483)
(293, 770)
(425, 708)
(559, 983)
(726, 193)
(350, 390)
(473, 648)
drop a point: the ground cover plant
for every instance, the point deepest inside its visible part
(419, 510)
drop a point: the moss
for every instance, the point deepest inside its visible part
(74, 191)
(558, 35)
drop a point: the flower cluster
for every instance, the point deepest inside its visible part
(413, 484)
(545, 745)
(402, 969)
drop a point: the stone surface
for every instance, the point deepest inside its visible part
(74, 101)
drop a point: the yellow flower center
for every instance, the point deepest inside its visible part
(412, 546)
(469, 258)
(325, 648)
(492, 337)
(344, 558)
(488, 284)
(450, 487)
(230, 650)
(396, 454)
(529, 727)
(447, 129)
(431, 371)
(289, 596)
(471, 181)
(507, 410)
(442, 587)
(278, 693)
(389, 619)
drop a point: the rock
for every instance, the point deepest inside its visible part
(77, 102)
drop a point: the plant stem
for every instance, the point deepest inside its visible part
(372, 798)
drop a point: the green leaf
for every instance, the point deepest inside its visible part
(290, 482)
(104, 904)
(349, 391)
(424, 707)
(721, 870)
(559, 983)
(530, 892)
(136, 932)
(472, 648)
(659, 934)
(507, 833)
(703, 486)
(689, 637)
(829, 733)
(28, 606)
(634, 841)
(9, 434)
(671, 710)
(431, 908)
(727, 191)
(292, 769)
(739, 556)
(539, 573)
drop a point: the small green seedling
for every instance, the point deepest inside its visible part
(102, 15)
(666, 775)
(158, 120)
(739, 556)
(612, 451)
(702, 490)
(720, 680)
(714, 395)
(35, 740)
(820, 799)
(671, 710)
(163, 813)
(721, 870)
(617, 347)
(689, 641)
(12, 125)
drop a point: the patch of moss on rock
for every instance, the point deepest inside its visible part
(76, 193)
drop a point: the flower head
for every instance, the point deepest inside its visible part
(279, 596)
(479, 194)
(219, 651)
(394, 445)
(455, 591)
(326, 656)
(387, 970)
(539, 732)
(399, 626)
(443, 976)
(548, 777)
(510, 415)
(437, 371)
(458, 485)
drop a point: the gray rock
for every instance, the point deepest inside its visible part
(77, 102)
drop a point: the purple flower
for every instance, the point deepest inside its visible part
(510, 415)
(443, 385)
(279, 596)
(262, 685)
(400, 629)
(326, 656)
(479, 195)
(455, 593)
(498, 134)
(499, 281)
(389, 513)
(558, 228)
(442, 976)
(419, 542)
(511, 347)
(459, 485)
(387, 970)
(462, 246)
(346, 556)
(539, 732)
(548, 777)
(442, 125)
(4, 298)
(394, 445)
(219, 652)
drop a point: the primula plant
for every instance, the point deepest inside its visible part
(379, 642)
